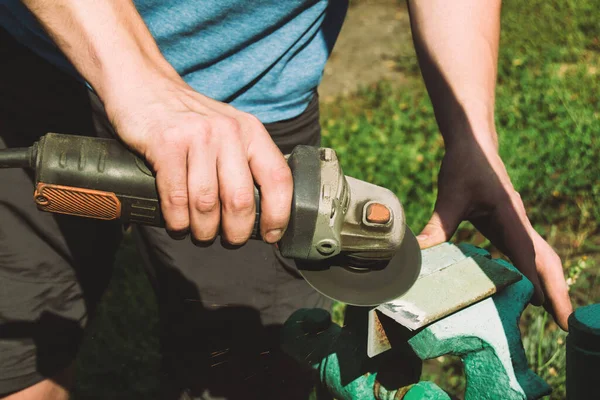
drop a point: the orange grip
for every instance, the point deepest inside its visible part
(77, 201)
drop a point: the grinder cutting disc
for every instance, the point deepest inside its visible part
(338, 279)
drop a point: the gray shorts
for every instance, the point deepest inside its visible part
(55, 268)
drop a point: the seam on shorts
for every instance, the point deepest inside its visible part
(11, 277)
(16, 384)
(14, 373)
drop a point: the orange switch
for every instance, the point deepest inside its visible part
(377, 213)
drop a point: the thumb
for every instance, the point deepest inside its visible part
(441, 226)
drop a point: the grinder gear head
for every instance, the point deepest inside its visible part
(348, 237)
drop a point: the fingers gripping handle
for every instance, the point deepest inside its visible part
(101, 179)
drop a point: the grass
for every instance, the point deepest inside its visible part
(548, 119)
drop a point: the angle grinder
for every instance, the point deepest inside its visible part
(348, 237)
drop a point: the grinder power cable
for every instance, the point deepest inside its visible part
(348, 237)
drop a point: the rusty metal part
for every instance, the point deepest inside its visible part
(377, 340)
(380, 393)
(401, 392)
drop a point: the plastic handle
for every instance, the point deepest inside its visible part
(99, 178)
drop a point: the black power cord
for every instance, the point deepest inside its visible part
(16, 158)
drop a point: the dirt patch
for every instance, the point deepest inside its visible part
(374, 35)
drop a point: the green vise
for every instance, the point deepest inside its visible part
(378, 353)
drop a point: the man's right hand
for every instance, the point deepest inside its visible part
(206, 156)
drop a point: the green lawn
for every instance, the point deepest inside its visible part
(548, 118)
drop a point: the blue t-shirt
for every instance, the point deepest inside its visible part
(265, 57)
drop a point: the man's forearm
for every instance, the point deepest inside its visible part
(107, 41)
(457, 47)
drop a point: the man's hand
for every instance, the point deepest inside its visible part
(457, 46)
(473, 185)
(206, 155)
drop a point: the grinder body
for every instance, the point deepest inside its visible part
(98, 178)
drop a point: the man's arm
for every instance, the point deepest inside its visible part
(107, 41)
(457, 47)
(206, 154)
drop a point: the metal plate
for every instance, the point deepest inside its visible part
(366, 288)
(448, 267)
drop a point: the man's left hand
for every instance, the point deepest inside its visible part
(474, 186)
